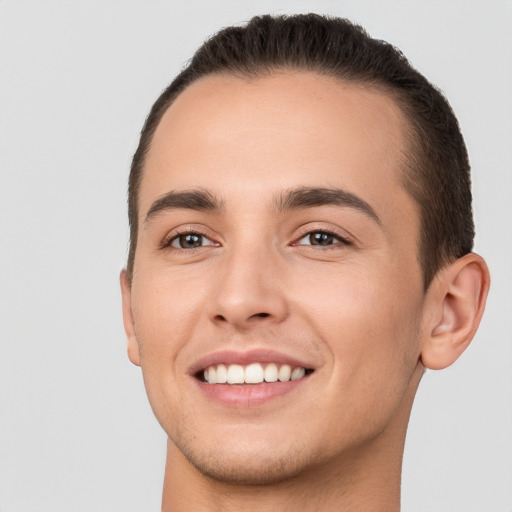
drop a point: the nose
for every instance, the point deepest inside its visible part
(249, 290)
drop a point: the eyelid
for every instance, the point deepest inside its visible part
(205, 241)
(344, 237)
(186, 230)
(308, 229)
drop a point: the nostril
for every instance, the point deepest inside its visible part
(235, 319)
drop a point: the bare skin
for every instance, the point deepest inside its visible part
(368, 479)
(274, 226)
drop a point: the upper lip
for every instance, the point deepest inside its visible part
(246, 357)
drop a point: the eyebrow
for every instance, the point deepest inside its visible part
(293, 199)
(308, 197)
(200, 200)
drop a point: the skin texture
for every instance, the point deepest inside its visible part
(354, 310)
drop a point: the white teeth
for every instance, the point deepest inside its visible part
(236, 374)
(298, 373)
(221, 374)
(285, 373)
(254, 373)
(271, 373)
(210, 375)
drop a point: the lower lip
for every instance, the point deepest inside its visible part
(248, 395)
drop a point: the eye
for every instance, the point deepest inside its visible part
(322, 239)
(189, 241)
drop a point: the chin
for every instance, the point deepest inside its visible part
(249, 467)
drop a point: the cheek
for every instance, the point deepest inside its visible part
(162, 324)
(370, 325)
(164, 307)
(163, 319)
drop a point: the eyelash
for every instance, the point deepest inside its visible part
(168, 241)
(341, 240)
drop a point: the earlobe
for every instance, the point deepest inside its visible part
(129, 326)
(458, 302)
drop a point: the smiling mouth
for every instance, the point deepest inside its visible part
(252, 374)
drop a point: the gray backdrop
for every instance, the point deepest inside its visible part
(76, 81)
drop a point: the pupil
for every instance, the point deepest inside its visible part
(321, 239)
(188, 241)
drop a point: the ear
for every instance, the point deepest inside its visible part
(456, 304)
(129, 326)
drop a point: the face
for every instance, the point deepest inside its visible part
(278, 250)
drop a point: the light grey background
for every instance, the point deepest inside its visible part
(76, 81)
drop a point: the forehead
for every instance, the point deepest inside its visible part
(233, 135)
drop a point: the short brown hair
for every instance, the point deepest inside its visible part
(438, 171)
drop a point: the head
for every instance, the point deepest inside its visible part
(436, 170)
(300, 197)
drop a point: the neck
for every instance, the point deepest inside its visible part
(366, 478)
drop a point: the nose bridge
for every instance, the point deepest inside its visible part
(248, 286)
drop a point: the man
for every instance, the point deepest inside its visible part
(301, 236)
